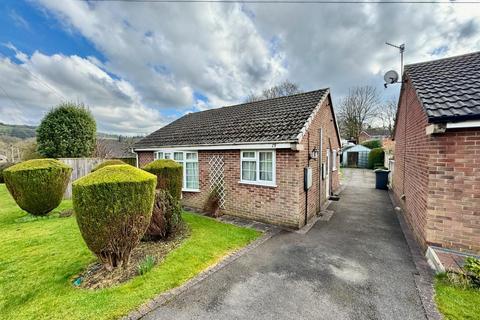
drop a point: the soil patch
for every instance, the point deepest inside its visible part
(97, 277)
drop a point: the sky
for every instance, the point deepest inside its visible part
(138, 66)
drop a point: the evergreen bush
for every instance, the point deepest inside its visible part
(38, 185)
(166, 216)
(4, 166)
(376, 157)
(372, 144)
(113, 207)
(111, 162)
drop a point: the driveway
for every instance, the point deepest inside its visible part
(356, 266)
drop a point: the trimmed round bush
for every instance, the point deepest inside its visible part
(67, 131)
(169, 176)
(106, 163)
(376, 158)
(113, 207)
(38, 185)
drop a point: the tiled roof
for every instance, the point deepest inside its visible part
(449, 88)
(114, 148)
(272, 120)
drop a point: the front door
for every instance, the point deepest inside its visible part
(327, 174)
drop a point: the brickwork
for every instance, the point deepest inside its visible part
(325, 120)
(283, 204)
(439, 175)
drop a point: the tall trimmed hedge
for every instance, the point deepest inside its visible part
(38, 185)
(113, 207)
(376, 158)
(106, 163)
(169, 176)
(166, 217)
(67, 131)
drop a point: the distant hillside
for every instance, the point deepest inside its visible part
(17, 131)
(25, 132)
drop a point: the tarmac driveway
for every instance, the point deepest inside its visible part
(356, 266)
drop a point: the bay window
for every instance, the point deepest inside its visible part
(189, 162)
(257, 167)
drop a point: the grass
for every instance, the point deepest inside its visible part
(456, 303)
(40, 257)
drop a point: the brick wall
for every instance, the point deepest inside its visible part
(324, 119)
(410, 177)
(454, 190)
(282, 205)
(440, 177)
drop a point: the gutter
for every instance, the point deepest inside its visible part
(293, 145)
(442, 127)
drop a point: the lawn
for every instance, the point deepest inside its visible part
(456, 303)
(40, 257)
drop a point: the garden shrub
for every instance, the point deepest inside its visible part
(376, 157)
(113, 207)
(166, 216)
(212, 205)
(372, 144)
(468, 276)
(4, 166)
(169, 176)
(106, 163)
(67, 131)
(38, 185)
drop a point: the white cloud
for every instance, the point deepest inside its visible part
(40, 81)
(165, 53)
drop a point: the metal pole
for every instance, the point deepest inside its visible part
(320, 173)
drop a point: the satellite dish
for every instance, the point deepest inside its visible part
(391, 77)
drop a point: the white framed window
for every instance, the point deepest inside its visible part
(334, 159)
(257, 167)
(189, 162)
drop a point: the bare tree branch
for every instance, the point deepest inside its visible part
(387, 114)
(285, 88)
(357, 110)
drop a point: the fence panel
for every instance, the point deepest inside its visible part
(81, 167)
(391, 167)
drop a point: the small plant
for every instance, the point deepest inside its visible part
(212, 205)
(37, 185)
(146, 265)
(468, 276)
(106, 163)
(113, 207)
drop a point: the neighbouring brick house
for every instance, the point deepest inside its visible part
(256, 154)
(437, 152)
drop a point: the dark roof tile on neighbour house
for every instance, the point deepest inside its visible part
(449, 89)
(273, 120)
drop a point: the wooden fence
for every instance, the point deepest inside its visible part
(81, 167)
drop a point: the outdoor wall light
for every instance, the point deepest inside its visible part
(313, 154)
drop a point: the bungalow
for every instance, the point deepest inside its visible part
(437, 153)
(263, 156)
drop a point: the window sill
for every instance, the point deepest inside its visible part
(260, 184)
(190, 190)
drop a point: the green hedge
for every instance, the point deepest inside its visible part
(4, 166)
(38, 185)
(376, 158)
(169, 176)
(372, 144)
(113, 207)
(106, 163)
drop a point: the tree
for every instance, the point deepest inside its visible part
(387, 114)
(67, 131)
(357, 109)
(285, 88)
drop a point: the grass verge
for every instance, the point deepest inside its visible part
(39, 258)
(456, 303)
